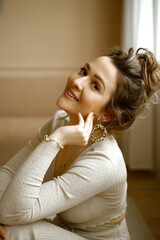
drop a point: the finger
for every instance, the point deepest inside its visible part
(81, 120)
(3, 233)
(89, 121)
(90, 128)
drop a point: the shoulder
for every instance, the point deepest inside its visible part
(59, 119)
(102, 162)
(60, 114)
(108, 147)
(96, 162)
(103, 151)
(108, 152)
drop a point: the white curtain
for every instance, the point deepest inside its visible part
(141, 28)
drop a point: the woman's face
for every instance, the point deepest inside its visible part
(90, 89)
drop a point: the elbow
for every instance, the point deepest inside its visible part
(14, 218)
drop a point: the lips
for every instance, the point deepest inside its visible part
(72, 94)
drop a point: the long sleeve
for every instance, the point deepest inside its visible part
(27, 199)
(10, 168)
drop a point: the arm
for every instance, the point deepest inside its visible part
(10, 168)
(27, 199)
(32, 200)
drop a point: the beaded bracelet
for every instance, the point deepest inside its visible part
(47, 139)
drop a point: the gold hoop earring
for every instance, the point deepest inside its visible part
(98, 125)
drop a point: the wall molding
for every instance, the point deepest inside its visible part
(40, 71)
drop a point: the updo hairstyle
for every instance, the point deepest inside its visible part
(138, 79)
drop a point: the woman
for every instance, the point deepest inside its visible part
(64, 172)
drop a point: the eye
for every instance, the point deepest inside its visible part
(95, 85)
(83, 71)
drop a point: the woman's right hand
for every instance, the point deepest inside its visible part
(3, 234)
(75, 134)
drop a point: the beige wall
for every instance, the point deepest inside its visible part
(56, 33)
(41, 43)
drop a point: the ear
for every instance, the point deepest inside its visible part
(107, 117)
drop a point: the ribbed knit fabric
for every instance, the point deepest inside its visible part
(91, 192)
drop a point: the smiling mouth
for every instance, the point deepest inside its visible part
(71, 95)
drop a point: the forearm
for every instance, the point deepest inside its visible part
(10, 168)
(26, 199)
(24, 189)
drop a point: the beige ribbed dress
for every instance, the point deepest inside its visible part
(91, 192)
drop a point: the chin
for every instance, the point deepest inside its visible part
(62, 104)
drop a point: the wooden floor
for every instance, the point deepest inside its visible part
(144, 188)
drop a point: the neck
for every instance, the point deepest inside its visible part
(73, 120)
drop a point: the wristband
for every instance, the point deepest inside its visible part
(47, 139)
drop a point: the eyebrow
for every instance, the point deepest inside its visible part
(95, 75)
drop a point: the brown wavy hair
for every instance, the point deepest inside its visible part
(138, 79)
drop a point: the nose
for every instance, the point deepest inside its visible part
(78, 83)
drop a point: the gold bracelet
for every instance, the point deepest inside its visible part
(47, 139)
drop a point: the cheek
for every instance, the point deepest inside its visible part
(95, 103)
(90, 101)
